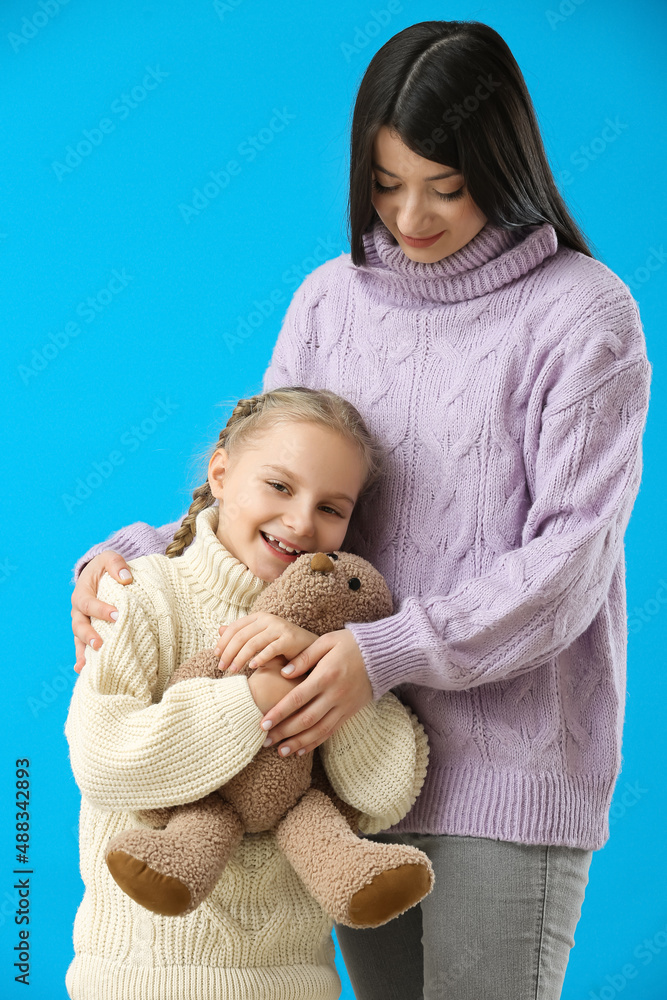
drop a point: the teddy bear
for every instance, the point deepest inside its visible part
(171, 864)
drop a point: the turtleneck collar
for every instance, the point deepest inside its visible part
(491, 259)
(217, 578)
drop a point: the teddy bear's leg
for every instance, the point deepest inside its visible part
(157, 818)
(171, 871)
(320, 781)
(358, 882)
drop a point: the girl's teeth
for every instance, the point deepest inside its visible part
(292, 552)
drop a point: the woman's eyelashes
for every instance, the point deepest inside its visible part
(447, 197)
(280, 488)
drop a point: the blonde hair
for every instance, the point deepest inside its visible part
(251, 416)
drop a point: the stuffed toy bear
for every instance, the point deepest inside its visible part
(171, 865)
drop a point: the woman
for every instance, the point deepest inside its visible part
(505, 370)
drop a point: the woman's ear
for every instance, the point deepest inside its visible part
(216, 471)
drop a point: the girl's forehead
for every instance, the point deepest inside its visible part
(292, 440)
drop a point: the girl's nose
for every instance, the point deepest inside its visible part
(300, 521)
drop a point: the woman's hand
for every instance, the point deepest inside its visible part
(85, 603)
(258, 638)
(336, 688)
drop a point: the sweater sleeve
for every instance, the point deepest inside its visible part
(377, 762)
(138, 539)
(129, 751)
(583, 470)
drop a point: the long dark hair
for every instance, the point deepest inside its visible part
(453, 92)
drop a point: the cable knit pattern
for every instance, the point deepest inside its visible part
(510, 384)
(259, 934)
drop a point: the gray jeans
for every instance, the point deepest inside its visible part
(498, 925)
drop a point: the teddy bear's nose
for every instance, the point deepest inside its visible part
(321, 563)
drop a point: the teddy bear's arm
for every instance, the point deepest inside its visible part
(130, 752)
(377, 762)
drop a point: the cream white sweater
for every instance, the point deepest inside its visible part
(259, 936)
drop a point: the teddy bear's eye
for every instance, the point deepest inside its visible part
(354, 583)
(332, 555)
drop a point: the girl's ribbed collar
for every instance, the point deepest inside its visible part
(492, 258)
(218, 578)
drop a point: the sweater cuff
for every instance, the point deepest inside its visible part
(376, 761)
(385, 646)
(138, 539)
(239, 714)
(371, 824)
(135, 543)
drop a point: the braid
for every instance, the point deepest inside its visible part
(243, 409)
(201, 499)
(202, 496)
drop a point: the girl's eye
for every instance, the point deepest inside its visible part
(446, 197)
(281, 488)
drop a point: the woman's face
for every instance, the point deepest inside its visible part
(296, 482)
(419, 198)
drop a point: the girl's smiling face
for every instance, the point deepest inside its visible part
(418, 198)
(295, 483)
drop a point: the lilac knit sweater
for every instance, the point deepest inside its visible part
(510, 384)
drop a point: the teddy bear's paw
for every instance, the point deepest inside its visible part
(390, 892)
(152, 889)
(358, 882)
(172, 871)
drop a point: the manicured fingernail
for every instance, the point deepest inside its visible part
(267, 724)
(287, 669)
(267, 742)
(114, 616)
(301, 752)
(92, 644)
(252, 664)
(125, 575)
(284, 751)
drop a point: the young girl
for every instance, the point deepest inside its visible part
(286, 473)
(505, 369)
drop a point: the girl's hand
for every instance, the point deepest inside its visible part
(85, 603)
(336, 688)
(259, 637)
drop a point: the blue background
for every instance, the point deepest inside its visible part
(89, 356)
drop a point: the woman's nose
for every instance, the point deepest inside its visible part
(412, 217)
